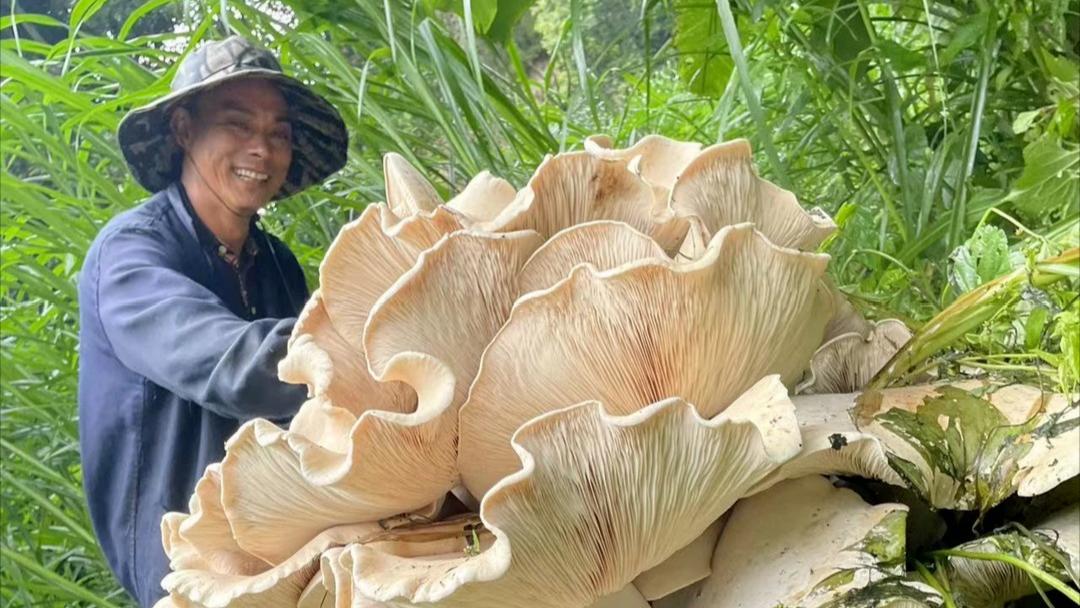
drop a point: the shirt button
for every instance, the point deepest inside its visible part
(221, 249)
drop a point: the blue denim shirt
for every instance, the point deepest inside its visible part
(172, 361)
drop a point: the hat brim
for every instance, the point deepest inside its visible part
(319, 138)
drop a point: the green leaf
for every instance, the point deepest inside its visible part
(509, 14)
(484, 12)
(1049, 187)
(147, 7)
(836, 24)
(982, 258)
(1034, 327)
(704, 63)
(965, 36)
(1067, 331)
(965, 438)
(8, 21)
(1024, 120)
(83, 10)
(1043, 551)
(900, 57)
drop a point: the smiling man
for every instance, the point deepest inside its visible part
(186, 305)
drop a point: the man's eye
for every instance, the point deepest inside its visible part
(237, 125)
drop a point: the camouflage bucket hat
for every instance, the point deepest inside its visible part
(320, 140)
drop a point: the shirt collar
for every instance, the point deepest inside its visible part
(206, 237)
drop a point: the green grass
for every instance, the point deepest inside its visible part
(913, 122)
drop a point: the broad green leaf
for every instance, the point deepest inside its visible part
(1035, 326)
(892, 591)
(900, 57)
(1067, 331)
(963, 438)
(984, 257)
(965, 36)
(483, 11)
(509, 14)
(1049, 187)
(704, 63)
(1024, 121)
(838, 25)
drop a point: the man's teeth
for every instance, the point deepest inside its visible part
(251, 175)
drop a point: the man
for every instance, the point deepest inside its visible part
(186, 305)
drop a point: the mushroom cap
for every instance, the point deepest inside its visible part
(326, 346)
(408, 192)
(656, 159)
(449, 305)
(720, 188)
(849, 361)
(1053, 458)
(685, 567)
(484, 198)
(832, 444)
(348, 280)
(959, 445)
(603, 244)
(1053, 547)
(598, 500)
(279, 488)
(802, 543)
(203, 539)
(640, 333)
(333, 368)
(280, 585)
(577, 187)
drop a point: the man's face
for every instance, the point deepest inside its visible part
(239, 140)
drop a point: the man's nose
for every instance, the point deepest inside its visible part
(259, 144)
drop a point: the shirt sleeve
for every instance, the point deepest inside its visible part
(181, 335)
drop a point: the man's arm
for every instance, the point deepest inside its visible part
(183, 337)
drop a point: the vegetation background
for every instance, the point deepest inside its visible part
(942, 135)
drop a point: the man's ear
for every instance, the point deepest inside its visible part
(180, 123)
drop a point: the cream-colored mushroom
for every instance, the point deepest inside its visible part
(449, 305)
(598, 500)
(484, 198)
(1054, 457)
(959, 444)
(684, 568)
(656, 159)
(407, 191)
(849, 361)
(1053, 547)
(832, 444)
(279, 586)
(332, 367)
(643, 332)
(720, 188)
(326, 347)
(603, 244)
(427, 331)
(577, 187)
(803, 543)
(279, 488)
(202, 539)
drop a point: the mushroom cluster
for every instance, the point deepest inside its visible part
(555, 396)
